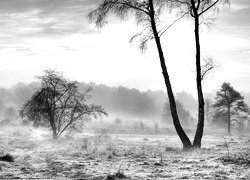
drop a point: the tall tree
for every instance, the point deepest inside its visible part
(198, 9)
(59, 104)
(229, 104)
(146, 13)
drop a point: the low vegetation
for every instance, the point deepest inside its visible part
(106, 155)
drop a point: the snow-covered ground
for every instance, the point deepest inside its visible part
(94, 156)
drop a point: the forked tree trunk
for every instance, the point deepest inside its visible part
(200, 124)
(184, 138)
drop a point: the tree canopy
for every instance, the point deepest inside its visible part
(229, 105)
(59, 104)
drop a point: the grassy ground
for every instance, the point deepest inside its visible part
(101, 154)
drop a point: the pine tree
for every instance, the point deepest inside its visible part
(229, 105)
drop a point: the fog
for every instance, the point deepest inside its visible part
(129, 105)
(119, 101)
(137, 136)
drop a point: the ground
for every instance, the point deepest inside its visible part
(101, 154)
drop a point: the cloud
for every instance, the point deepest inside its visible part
(246, 52)
(37, 18)
(46, 6)
(23, 21)
(238, 16)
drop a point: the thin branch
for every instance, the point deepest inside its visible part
(173, 23)
(133, 7)
(208, 8)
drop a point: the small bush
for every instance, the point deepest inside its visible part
(103, 134)
(118, 175)
(141, 125)
(7, 158)
(5, 122)
(156, 128)
(118, 121)
(170, 149)
(241, 159)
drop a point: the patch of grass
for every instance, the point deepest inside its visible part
(118, 121)
(242, 159)
(95, 147)
(20, 132)
(170, 149)
(118, 175)
(103, 135)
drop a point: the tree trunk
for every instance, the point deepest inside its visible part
(55, 134)
(184, 138)
(228, 121)
(53, 127)
(200, 124)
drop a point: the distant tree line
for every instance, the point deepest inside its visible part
(147, 104)
(11, 99)
(118, 100)
(186, 118)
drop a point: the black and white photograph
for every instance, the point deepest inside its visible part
(125, 89)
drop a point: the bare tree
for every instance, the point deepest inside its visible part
(59, 104)
(146, 13)
(209, 65)
(202, 12)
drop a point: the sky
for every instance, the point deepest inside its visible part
(37, 35)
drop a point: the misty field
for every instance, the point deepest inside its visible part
(103, 154)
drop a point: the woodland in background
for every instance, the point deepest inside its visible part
(116, 100)
(119, 101)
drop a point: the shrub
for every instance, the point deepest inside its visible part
(141, 125)
(118, 121)
(156, 127)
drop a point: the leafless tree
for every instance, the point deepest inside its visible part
(202, 12)
(209, 65)
(146, 13)
(59, 104)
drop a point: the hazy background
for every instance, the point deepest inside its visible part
(41, 34)
(130, 105)
(56, 34)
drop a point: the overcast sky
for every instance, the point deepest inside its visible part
(55, 34)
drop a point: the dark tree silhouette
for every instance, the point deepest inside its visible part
(197, 10)
(146, 13)
(59, 104)
(229, 104)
